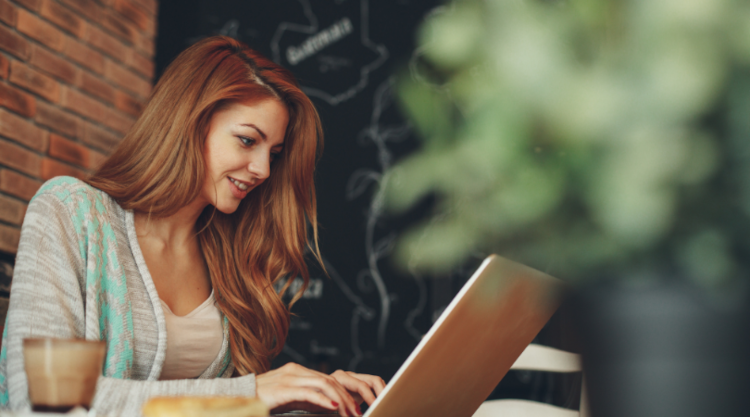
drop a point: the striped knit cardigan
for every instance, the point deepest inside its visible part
(80, 273)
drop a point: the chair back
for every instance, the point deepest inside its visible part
(538, 358)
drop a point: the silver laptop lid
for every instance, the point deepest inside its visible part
(473, 344)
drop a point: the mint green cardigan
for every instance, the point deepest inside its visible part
(80, 273)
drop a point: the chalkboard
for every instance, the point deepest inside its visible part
(366, 316)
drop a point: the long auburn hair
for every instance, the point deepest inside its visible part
(159, 167)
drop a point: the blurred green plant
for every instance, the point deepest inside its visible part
(581, 136)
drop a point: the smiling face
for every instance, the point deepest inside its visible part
(242, 142)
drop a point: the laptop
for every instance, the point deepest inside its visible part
(473, 344)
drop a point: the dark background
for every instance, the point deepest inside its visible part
(368, 316)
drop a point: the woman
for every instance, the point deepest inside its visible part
(171, 250)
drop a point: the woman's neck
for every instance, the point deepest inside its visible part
(174, 231)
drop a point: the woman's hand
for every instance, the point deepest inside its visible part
(294, 387)
(360, 386)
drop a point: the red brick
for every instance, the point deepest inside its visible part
(58, 120)
(143, 65)
(153, 27)
(145, 44)
(100, 138)
(84, 55)
(68, 151)
(106, 43)
(127, 79)
(118, 121)
(16, 157)
(52, 168)
(126, 103)
(39, 30)
(18, 185)
(34, 81)
(4, 65)
(133, 13)
(8, 13)
(53, 64)
(22, 131)
(30, 4)
(96, 87)
(149, 6)
(17, 101)
(96, 159)
(118, 26)
(9, 238)
(13, 43)
(83, 104)
(88, 8)
(61, 16)
(11, 210)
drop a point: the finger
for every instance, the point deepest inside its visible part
(365, 391)
(375, 382)
(355, 385)
(331, 388)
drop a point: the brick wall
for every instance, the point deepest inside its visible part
(74, 74)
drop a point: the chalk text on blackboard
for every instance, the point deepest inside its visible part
(318, 41)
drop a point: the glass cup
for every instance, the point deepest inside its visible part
(62, 373)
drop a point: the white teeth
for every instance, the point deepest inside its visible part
(239, 185)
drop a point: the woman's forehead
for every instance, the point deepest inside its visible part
(268, 116)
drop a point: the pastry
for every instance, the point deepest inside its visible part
(204, 407)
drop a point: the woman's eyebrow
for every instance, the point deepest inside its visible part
(263, 135)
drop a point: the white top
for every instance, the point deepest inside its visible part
(193, 340)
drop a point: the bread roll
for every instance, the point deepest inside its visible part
(204, 407)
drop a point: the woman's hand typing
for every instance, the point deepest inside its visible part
(294, 387)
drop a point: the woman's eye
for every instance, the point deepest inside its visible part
(275, 156)
(246, 141)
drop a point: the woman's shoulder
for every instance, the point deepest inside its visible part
(69, 190)
(71, 202)
(77, 198)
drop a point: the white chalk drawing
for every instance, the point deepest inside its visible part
(314, 288)
(298, 324)
(361, 311)
(361, 180)
(317, 349)
(319, 39)
(332, 63)
(418, 309)
(230, 28)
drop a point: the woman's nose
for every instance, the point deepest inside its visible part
(260, 166)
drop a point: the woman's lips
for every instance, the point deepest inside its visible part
(236, 191)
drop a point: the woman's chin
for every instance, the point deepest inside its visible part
(227, 208)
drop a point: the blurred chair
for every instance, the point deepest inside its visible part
(538, 358)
